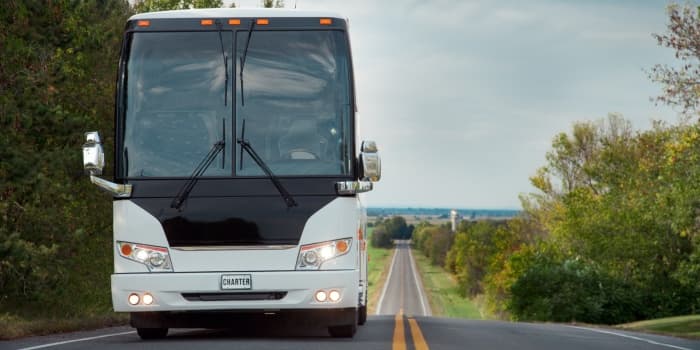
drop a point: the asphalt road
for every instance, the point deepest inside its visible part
(403, 291)
(401, 325)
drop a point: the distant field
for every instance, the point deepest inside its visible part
(432, 219)
(436, 212)
(377, 269)
(442, 291)
(417, 219)
(682, 326)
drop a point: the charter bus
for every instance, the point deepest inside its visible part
(238, 163)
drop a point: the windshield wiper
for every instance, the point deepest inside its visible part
(223, 138)
(126, 162)
(196, 174)
(223, 53)
(240, 155)
(245, 145)
(245, 54)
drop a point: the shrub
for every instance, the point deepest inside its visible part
(571, 290)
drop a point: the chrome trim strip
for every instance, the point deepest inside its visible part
(352, 187)
(235, 247)
(117, 190)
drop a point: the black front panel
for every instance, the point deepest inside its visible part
(207, 219)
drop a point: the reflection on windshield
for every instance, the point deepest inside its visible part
(297, 103)
(174, 103)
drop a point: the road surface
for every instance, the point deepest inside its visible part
(402, 323)
(403, 291)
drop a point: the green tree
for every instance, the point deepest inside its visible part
(273, 3)
(164, 5)
(630, 210)
(515, 239)
(56, 81)
(381, 237)
(470, 255)
(680, 82)
(433, 241)
(387, 230)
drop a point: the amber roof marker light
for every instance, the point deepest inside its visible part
(325, 21)
(207, 22)
(143, 23)
(234, 22)
(262, 21)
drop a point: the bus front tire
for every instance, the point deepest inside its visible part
(347, 330)
(152, 333)
(362, 317)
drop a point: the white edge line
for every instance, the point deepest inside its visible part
(632, 337)
(76, 340)
(386, 284)
(418, 284)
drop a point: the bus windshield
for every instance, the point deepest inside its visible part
(291, 103)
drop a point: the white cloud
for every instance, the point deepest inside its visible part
(513, 15)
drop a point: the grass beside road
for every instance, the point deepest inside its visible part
(16, 327)
(680, 326)
(442, 291)
(377, 271)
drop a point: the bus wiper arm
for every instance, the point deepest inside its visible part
(223, 53)
(126, 162)
(288, 199)
(245, 54)
(196, 174)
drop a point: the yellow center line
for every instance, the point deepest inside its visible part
(399, 341)
(401, 282)
(418, 340)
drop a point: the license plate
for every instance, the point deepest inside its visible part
(236, 282)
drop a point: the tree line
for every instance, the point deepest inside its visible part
(611, 236)
(387, 230)
(57, 80)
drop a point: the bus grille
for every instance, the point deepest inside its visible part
(238, 296)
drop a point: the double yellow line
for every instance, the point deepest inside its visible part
(399, 341)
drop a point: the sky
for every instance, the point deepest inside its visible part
(464, 97)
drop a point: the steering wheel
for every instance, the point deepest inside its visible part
(301, 153)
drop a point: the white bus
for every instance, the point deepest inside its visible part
(237, 171)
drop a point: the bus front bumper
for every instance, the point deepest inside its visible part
(271, 291)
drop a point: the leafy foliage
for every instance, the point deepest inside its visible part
(611, 236)
(385, 231)
(681, 84)
(56, 81)
(629, 223)
(162, 5)
(469, 255)
(273, 3)
(571, 290)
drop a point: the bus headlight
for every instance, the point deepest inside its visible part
(312, 256)
(157, 259)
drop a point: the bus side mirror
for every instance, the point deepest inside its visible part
(94, 162)
(370, 163)
(93, 154)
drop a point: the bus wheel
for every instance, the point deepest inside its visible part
(152, 333)
(362, 317)
(347, 331)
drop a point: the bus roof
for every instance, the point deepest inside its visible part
(235, 12)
